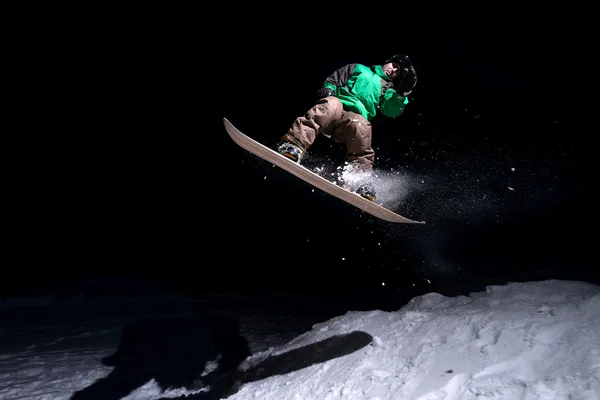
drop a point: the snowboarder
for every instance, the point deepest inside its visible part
(348, 101)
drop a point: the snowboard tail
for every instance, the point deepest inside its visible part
(310, 177)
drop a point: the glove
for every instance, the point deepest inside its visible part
(324, 92)
(407, 80)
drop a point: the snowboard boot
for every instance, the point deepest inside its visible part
(290, 148)
(366, 190)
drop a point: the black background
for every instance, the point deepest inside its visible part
(122, 166)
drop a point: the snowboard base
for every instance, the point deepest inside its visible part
(310, 177)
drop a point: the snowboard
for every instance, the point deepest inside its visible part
(312, 178)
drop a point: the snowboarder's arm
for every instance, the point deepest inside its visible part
(339, 77)
(392, 103)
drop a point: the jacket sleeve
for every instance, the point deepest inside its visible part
(339, 77)
(392, 103)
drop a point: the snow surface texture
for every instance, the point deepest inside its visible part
(520, 341)
(533, 340)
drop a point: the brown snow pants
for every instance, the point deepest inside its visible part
(328, 117)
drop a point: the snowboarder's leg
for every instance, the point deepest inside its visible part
(355, 131)
(322, 117)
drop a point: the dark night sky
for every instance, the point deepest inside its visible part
(124, 168)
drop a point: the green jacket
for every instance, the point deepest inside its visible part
(365, 90)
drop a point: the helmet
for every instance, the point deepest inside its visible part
(400, 59)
